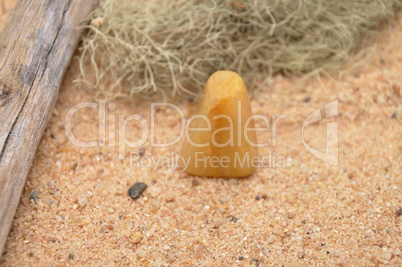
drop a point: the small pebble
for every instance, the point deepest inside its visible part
(71, 256)
(264, 196)
(136, 237)
(394, 115)
(82, 200)
(136, 190)
(74, 166)
(257, 197)
(97, 22)
(241, 258)
(170, 199)
(224, 199)
(399, 211)
(397, 89)
(291, 215)
(307, 99)
(371, 196)
(50, 202)
(255, 259)
(154, 191)
(141, 151)
(340, 262)
(166, 247)
(195, 182)
(171, 257)
(35, 196)
(239, 6)
(234, 219)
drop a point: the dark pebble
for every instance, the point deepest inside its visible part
(399, 211)
(141, 151)
(257, 197)
(234, 219)
(74, 166)
(307, 99)
(327, 252)
(71, 256)
(394, 115)
(35, 196)
(136, 190)
(195, 182)
(120, 216)
(264, 196)
(255, 259)
(241, 258)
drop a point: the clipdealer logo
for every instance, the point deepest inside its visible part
(147, 133)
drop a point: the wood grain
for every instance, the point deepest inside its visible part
(36, 46)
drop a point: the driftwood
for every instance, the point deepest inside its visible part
(36, 46)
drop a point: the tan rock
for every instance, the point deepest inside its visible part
(216, 144)
(136, 237)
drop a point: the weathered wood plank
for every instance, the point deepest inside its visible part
(36, 46)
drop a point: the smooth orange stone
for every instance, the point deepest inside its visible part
(220, 149)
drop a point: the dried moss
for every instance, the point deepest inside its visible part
(172, 47)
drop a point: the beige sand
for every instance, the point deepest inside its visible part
(313, 213)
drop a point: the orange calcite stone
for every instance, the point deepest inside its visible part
(216, 143)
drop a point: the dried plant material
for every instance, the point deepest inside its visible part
(217, 145)
(172, 47)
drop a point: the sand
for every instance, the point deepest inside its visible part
(306, 213)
